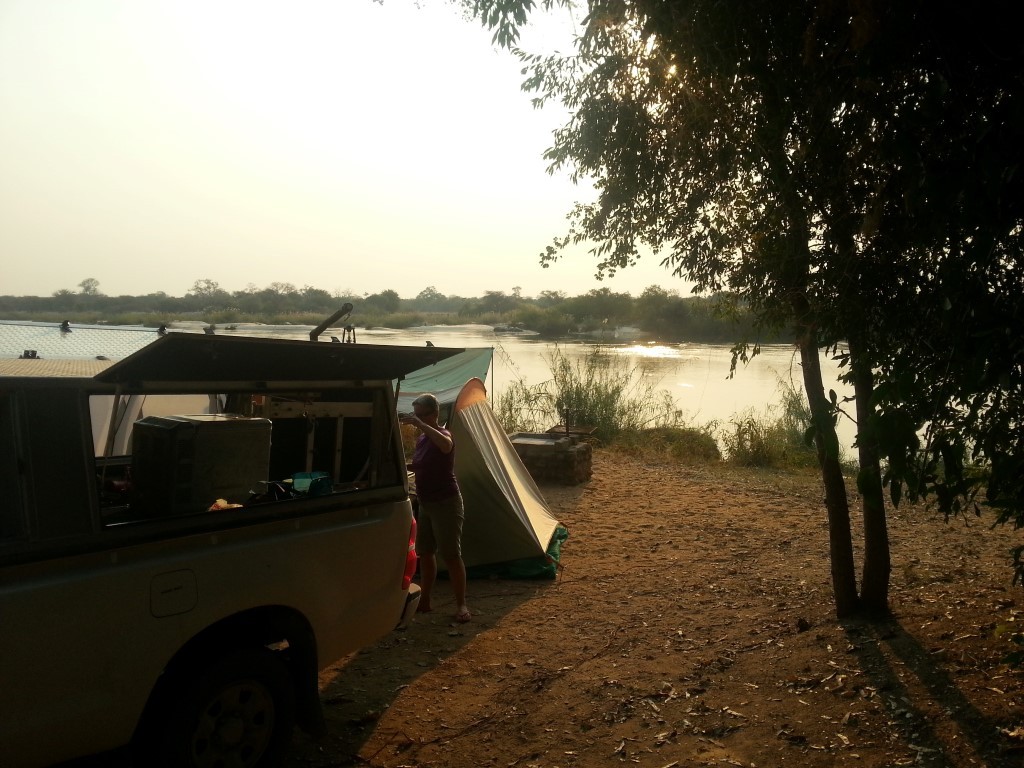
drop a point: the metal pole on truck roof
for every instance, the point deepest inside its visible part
(346, 310)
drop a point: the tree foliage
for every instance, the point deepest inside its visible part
(90, 286)
(847, 170)
(552, 313)
(385, 301)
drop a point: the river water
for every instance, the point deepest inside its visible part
(696, 375)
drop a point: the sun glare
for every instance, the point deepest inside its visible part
(651, 351)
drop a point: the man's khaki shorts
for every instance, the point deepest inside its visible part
(439, 527)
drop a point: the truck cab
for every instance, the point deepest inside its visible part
(188, 536)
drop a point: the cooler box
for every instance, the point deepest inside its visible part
(183, 464)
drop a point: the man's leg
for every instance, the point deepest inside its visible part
(457, 573)
(428, 575)
(448, 516)
(456, 565)
(426, 545)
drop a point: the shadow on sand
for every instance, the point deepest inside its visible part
(909, 678)
(357, 691)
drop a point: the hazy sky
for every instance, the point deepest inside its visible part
(341, 144)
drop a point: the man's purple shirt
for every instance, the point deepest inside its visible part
(434, 469)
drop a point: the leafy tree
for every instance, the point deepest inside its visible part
(429, 294)
(278, 297)
(248, 299)
(206, 293)
(285, 289)
(652, 307)
(547, 321)
(550, 298)
(204, 288)
(316, 299)
(160, 302)
(601, 306)
(90, 286)
(827, 165)
(429, 299)
(385, 301)
(498, 302)
(345, 294)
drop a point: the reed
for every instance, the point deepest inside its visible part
(598, 391)
(523, 408)
(773, 437)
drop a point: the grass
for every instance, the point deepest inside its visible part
(599, 391)
(523, 408)
(774, 437)
(676, 445)
(628, 413)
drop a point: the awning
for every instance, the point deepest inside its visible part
(445, 379)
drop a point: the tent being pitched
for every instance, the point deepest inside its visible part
(507, 518)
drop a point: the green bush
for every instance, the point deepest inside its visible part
(774, 438)
(547, 322)
(679, 445)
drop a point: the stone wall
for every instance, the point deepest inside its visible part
(554, 459)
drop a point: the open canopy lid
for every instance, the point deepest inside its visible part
(185, 357)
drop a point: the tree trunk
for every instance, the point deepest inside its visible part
(794, 273)
(844, 578)
(874, 594)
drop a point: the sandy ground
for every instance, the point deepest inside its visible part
(693, 625)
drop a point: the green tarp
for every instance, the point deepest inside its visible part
(444, 379)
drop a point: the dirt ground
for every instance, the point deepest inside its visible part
(693, 625)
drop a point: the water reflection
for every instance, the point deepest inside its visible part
(648, 351)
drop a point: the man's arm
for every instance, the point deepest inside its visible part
(437, 437)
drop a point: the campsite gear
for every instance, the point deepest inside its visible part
(311, 483)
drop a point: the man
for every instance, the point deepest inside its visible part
(441, 511)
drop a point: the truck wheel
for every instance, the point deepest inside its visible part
(238, 712)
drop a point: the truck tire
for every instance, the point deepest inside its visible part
(238, 711)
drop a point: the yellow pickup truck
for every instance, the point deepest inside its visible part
(188, 536)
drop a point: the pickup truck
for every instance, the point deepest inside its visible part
(188, 536)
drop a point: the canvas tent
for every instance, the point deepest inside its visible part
(508, 522)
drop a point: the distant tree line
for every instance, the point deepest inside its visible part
(657, 311)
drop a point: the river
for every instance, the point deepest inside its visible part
(696, 375)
